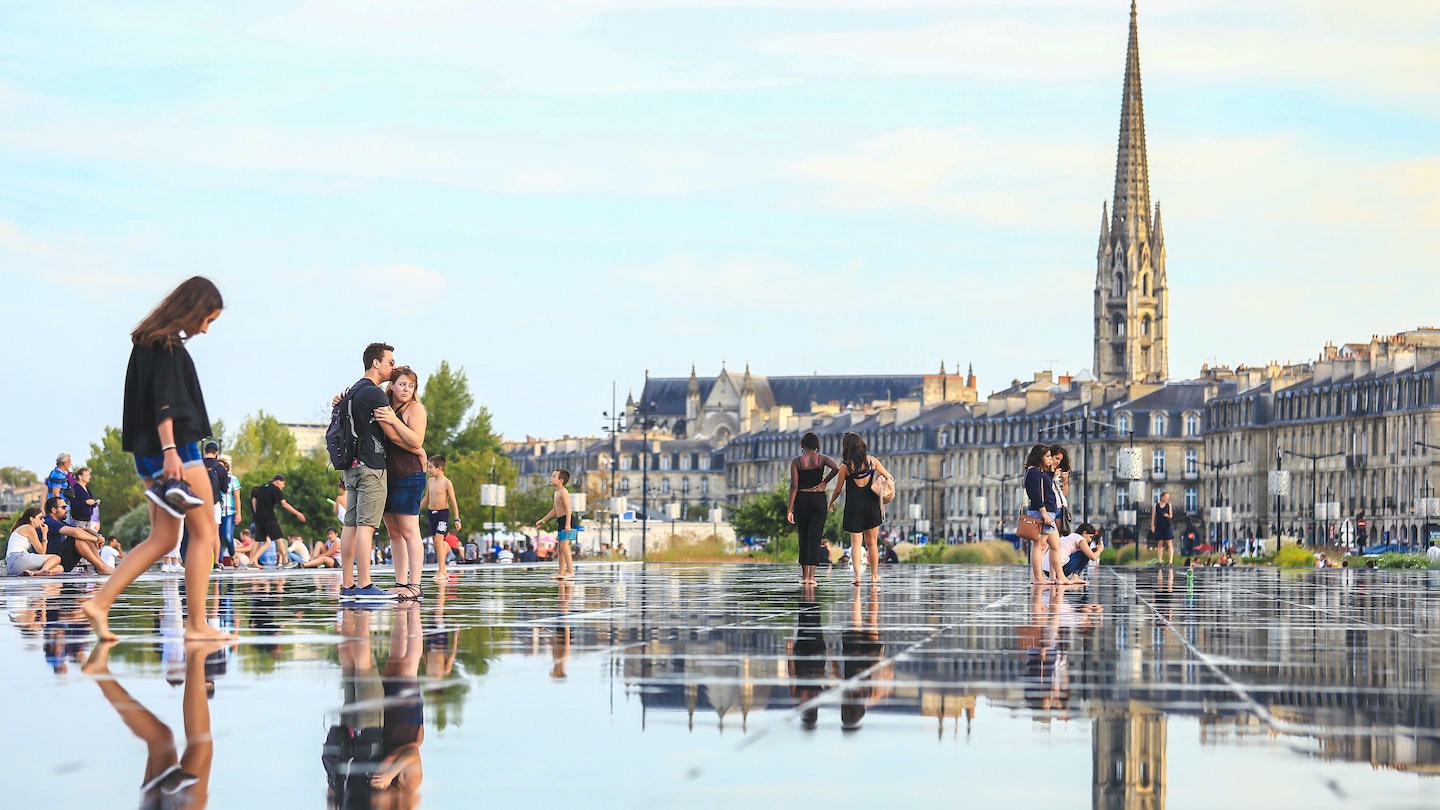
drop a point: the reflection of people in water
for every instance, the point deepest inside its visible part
(861, 651)
(442, 642)
(372, 756)
(67, 631)
(397, 778)
(354, 746)
(560, 645)
(1047, 671)
(807, 657)
(169, 781)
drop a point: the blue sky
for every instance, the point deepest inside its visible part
(556, 194)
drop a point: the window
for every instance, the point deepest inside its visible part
(1145, 325)
(624, 462)
(1122, 423)
(1158, 462)
(684, 461)
(704, 487)
(1122, 498)
(1119, 289)
(704, 462)
(1117, 325)
(625, 486)
(1192, 424)
(665, 486)
(665, 462)
(1192, 462)
(1158, 424)
(1192, 499)
(685, 486)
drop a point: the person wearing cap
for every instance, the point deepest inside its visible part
(263, 500)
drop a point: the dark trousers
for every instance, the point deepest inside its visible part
(1076, 564)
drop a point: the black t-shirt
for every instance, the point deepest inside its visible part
(54, 539)
(266, 498)
(366, 396)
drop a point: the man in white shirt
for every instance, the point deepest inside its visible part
(1433, 553)
(1077, 549)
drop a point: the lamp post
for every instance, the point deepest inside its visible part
(646, 409)
(1215, 503)
(613, 417)
(1314, 483)
(1001, 501)
(1089, 426)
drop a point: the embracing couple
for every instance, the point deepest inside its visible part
(386, 479)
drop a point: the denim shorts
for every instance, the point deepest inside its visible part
(1047, 528)
(152, 467)
(403, 495)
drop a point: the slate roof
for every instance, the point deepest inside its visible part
(799, 393)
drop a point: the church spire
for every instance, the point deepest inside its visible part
(1130, 214)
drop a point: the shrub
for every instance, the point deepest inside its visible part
(1295, 557)
(1107, 555)
(927, 554)
(965, 554)
(689, 548)
(133, 526)
(1397, 560)
(1127, 555)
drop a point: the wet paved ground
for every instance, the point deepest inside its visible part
(721, 686)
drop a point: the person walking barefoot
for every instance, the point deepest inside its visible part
(164, 420)
(863, 510)
(810, 473)
(564, 521)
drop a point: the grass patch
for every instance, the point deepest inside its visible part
(1135, 555)
(1398, 560)
(690, 548)
(988, 552)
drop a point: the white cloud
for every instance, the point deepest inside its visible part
(398, 276)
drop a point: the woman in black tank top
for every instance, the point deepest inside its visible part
(863, 510)
(810, 472)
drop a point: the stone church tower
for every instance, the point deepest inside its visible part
(1132, 299)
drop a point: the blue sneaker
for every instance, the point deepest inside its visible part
(348, 594)
(156, 494)
(180, 496)
(370, 593)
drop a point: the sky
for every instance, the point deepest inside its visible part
(559, 195)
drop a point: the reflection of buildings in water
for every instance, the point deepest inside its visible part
(1127, 758)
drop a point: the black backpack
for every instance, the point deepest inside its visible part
(219, 478)
(342, 443)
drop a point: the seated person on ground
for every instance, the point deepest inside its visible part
(111, 552)
(296, 552)
(244, 549)
(25, 555)
(327, 553)
(528, 555)
(71, 543)
(1077, 549)
(506, 556)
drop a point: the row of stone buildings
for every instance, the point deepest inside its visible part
(1352, 428)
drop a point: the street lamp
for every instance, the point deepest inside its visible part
(1000, 503)
(1314, 482)
(1217, 466)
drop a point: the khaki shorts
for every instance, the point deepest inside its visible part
(365, 491)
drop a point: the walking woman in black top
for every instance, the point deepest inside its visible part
(808, 479)
(863, 512)
(163, 423)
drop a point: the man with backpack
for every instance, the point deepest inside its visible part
(220, 485)
(355, 443)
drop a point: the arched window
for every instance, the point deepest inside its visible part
(1119, 289)
(665, 462)
(1122, 422)
(1192, 424)
(1145, 325)
(1117, 325)
(704, 487)
(1145, 284)
(1158, 424)
(624, 462)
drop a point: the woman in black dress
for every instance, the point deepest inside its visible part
(863, 512)
(808, 479)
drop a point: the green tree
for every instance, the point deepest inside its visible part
(525, 506)
(447, 399)
(133, 526)
(113, 479)
(478, 436)
(310, 487)
(261, 442)
(18, 477)
(764, 515)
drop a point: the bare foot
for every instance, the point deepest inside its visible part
(98, 661)
(1042, 582)
(206, 633)
(99, 620)
(441, 578)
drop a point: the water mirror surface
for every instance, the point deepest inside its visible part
(725, 685)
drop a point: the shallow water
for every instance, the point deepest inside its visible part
(714, 685)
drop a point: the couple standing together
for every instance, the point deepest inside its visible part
(386, 480)
(810, 473)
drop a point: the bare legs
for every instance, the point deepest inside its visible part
(204, 547)
(407, 550)
(1038, 548)
(869, 538)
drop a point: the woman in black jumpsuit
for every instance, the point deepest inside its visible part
(810, 472)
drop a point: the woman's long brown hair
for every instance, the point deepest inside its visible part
(183, 310)
(24, 519)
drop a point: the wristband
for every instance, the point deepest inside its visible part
(168, 447)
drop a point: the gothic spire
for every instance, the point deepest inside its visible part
(1104, 228)
(1130, 213)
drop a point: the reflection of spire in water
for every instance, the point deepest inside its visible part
(1127, 751)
